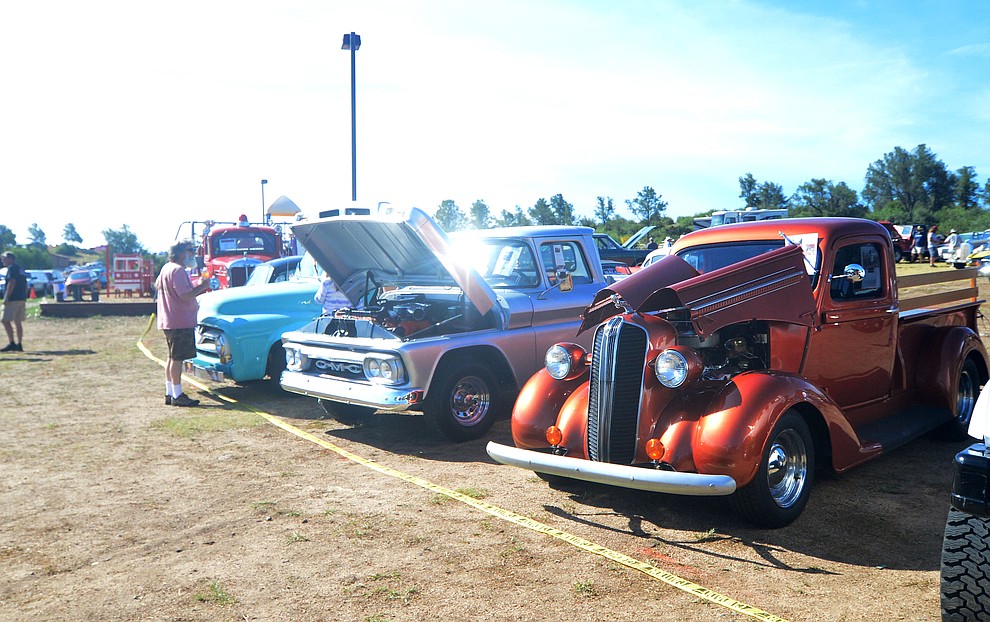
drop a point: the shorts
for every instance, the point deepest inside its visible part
(14, 311)
(181, 343)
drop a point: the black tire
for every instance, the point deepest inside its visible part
(275, 365)
(967, 390)
(95, 295)
(778, 495)
(345, 413)
(898, 255)
(77, 293)
(462, 401)
(965, 581)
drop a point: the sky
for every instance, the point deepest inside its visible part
(152, 114)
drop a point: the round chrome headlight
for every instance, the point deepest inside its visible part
(384, 369)
(374, 368)
(671, 368)
(558, 362)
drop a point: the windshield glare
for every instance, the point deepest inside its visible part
(501, 262)
(715, 256)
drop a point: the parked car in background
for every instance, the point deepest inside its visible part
(274, 271)
(629, 253)
(902, 246)
(907, 232)
(3, 281)
(615, 270)
(44, 282)
(965, 567)
(82, 282)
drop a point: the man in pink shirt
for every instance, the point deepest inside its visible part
(177, 308)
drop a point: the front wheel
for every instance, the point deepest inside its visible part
(965, 568)
(782, 486)
(461, 402)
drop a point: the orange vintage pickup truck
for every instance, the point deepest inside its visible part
(749, 356)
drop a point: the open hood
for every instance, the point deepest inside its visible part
(391, 249)
(635, 238)
(773, 286)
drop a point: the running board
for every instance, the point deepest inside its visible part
(900, 428)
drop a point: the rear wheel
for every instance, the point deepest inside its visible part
(462, 401)
(898, 255)
(77, 293)
(965, 568)
(967, 390)
(782, 486)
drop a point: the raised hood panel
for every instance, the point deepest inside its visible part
(773, 286)
(395, 249)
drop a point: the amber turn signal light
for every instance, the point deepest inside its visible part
(654, 449)
(554, 435)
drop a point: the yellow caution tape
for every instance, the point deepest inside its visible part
(507, 515)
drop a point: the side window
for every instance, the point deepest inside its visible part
(566, 256)
(867, 255)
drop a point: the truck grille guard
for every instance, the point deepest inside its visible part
(617, 368)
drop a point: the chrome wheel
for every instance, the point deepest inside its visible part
(470, 400)
(966, 395)
(787, 468)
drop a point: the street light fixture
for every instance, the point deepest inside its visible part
(352, 42)
(263, 182)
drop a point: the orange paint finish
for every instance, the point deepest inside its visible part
(537, 406)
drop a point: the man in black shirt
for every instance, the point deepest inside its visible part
(14, 302)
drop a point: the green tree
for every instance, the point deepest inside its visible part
(69, 234)
(450, 217)
(756, 195)
(122, 241)
(7, 237)
(36, 235)
(648, 206)
(541, 213)
(604, 210)
(562, 210)
(967, 191)
(918, 180)
(480, 216)
(820, 197)
(513, 219)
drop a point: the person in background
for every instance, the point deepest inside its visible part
(933, 238)
(177, 308)
(918, 249)
(330, 297)
(652, 246)
(952, 241)
(14, 303)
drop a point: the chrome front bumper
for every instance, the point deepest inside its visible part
(197, 369)
(624, 476)
(375, 396)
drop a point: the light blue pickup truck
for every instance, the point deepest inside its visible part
(239, 331)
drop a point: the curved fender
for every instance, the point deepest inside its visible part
(538, 405)
(944, 351)
(732, 432)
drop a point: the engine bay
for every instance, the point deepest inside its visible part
(405, 316)
(732, 350)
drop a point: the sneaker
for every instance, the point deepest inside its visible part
(19, 348)
(168, 400)
(184, 400)
(10, 347)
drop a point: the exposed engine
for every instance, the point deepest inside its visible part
(404, 316)
(731, 350)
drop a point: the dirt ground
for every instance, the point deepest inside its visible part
(117, 507)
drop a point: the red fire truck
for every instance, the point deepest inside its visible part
(231, 250)
(132, 273)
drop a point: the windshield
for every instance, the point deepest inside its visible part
(238, 242)
(307, 269)
(501, 262)
(262, 274)
(714, 256)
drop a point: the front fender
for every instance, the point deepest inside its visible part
(734, 425)
(944, 351)
(538, 405)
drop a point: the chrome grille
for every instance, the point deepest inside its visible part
(617, 364)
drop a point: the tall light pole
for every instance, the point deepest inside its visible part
(263, 182)
(352, 42)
